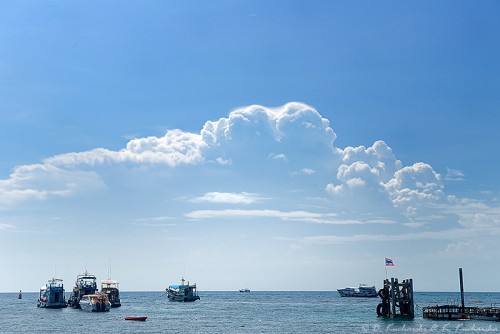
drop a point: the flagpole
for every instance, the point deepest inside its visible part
(385, 265)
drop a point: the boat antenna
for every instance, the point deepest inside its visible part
(109, 269)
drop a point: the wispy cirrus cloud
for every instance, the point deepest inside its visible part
(41, 181)
(4, 226)
(278, 156)
(230, 213)
(303, 171)
(450, 234)
(305, 216)
(155, 221)
(229, 198)
(454, 175)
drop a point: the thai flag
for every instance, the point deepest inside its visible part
(389, 262)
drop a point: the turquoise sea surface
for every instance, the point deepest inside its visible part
(237, 312)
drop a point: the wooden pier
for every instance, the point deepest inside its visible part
(461, 312)
(397, 299)
(457, 312)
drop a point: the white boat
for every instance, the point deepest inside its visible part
(98, 302)
(245, 290)
(362, 291)
(85, 284)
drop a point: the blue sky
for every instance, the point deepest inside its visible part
(274, 145)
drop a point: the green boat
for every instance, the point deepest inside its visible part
(182, 292)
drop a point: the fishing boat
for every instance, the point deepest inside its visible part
(362, 291)
(182, 292)
(52, 294)
(97, 302)
(245, 290)
(85, 284)
(110, 287)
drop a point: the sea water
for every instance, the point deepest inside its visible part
(238, 312)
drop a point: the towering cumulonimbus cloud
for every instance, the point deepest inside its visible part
(288, 143)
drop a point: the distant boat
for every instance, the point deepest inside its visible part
(362, 291)
(136, 318)
(85, 284)
(20, 296)
(245, 290)
(98, 302)
(110, 287)
(52, 294)
(182, 292)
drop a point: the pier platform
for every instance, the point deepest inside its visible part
(457, 312)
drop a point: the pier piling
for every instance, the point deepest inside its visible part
(461, 288)
(397, 299)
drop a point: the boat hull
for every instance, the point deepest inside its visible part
(52, 305)
(113, 296)
(116, 304)
(174, 298)
(132, 318)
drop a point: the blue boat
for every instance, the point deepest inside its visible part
(85, 284)
(52, 294)
(182, 292)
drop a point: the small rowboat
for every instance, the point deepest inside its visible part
(136, 318)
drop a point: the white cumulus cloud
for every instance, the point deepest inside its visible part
(251, 144)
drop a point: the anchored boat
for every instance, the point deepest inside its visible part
(85, 284)
(182, 292)
(135, 318)
(52, 294)
(362, 291)
(110, 287)
(98, 302)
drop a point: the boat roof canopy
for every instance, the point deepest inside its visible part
(109, 281)
(86, 275)
(56, 280)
